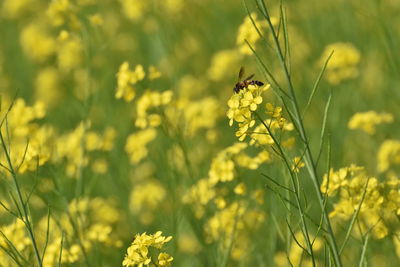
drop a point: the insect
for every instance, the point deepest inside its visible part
(246, 82)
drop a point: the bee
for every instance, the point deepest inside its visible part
(246, 82)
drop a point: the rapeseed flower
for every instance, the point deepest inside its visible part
(138, 252)
(96, 19)
(134, 9)
(295, 256)
(353, 185)
(37, 42)
(367, 121)
(17, 8)
(148, 101)
(126, 78)
(145, 198)
(222, 63)
(136, 144)
(95, 218)
(153, 73)
(62, 12)
(23, 125)
(164, 259)
(247, 33)
(195, 115)
(241, 107)
(297, 164)
(199, 195)
(233, 225)
(343, 64)
(69, 53)
(388, 155)
(48, 87)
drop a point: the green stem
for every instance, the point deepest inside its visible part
(295, 188)
(25, 214)
(308, 155)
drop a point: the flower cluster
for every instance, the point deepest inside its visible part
(261, 134)
(145, 198)
(74, 147)
(69, 52)
(138, 252)
(136, 144)
(295, 256)
(343, 64)
(297, 164)
(231, 226)
(380, 201)
(222, 170)
(13, 234)
(388, 155)
(222, 62)
(126, 79)
(151, 100)
(367, 121)
(31, 141)
(95, 221)
(134, 10)
(241, 108)
(231, 221)
(247, 33)
(191, 111)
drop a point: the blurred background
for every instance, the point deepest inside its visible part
(95, 157)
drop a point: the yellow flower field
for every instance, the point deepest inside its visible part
(199, 133)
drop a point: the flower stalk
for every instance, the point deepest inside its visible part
(308, 158)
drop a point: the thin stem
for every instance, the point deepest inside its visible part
(24, 212)
(295, 189)
(308, 155)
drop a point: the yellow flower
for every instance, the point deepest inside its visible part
(23, 125)
(61, 12)
(199, 195)
(380, 199)
(222, 63)
(69, 53)
(274, 112)
(297, 164)
(367, 121)
(16, 8)
(251, 101)
(343, 64)
(247, 32)
(243, 160)
(145, 198)
(188, 243)
(138, 252)
(148, 101)
(388, 154)
(159, 240)
(126, 78)
(153, 73)
(134, 9)
(96, 19)
(164, 259)
(37, 42)
(241, 107)
(136, 256)
(16, 234)
(48, 87)
(136, 144)
(240, 189)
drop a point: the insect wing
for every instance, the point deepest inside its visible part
(249, 78)
(241, 73)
